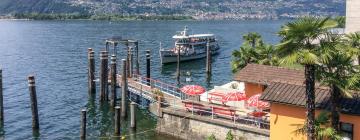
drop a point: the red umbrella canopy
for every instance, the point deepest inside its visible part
(257, 114)
(254, 101)
(234, 96)
(192, 89)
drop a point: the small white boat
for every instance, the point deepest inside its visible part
(191, 47)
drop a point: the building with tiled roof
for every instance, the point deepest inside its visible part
(284, 88)
(264, 74)
(256, 77)
(293, 94)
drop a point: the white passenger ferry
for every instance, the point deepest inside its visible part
(191, 47)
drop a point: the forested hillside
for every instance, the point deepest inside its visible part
(199, 9)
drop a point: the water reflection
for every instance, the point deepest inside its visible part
(58, 52)
(195, 70)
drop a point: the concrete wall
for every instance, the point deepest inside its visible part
(352, 16)
(197, 128)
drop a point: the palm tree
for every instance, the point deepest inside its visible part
(353, 39)
(242, 57)
(266, 55)
(337, 72)
(256, 52)
(253, 39)
(341, 20)
(298, 45)
(322, 129)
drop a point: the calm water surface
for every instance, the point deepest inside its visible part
(56, 53)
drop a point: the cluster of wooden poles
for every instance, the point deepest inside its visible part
(127, 69)
(120, 112)
(126, 72)
(35, 120)
(33, 102)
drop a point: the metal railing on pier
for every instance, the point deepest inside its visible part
(255, 122)
(145, 87)
(165, 88)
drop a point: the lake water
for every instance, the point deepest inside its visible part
(56, 53)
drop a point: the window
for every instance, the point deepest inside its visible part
(347, 130)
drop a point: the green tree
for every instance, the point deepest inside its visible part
(337, 72)
(253, 50)
(229, 136)
(266, 55)
(341, 20)
(242, 57)
(353, 39)
(322, 129)
(298, 45)
(253, 39)
(211, 137)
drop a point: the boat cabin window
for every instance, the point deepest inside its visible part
(182, 41)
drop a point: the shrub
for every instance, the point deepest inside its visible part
(211, 137)
(229, 136)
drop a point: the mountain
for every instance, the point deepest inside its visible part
(199, 9)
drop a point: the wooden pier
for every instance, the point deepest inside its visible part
(144, 87)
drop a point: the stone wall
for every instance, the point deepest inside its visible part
(185, 126)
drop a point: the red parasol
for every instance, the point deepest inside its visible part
(192, 89)
(254, 101)
(257, 113)
(234, 96)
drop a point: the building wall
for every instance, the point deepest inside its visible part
(284, 120)
(352, 16)
(252, 89)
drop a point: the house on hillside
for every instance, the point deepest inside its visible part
(285, 90)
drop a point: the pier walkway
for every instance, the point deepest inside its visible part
(145, 88)
(172, 103)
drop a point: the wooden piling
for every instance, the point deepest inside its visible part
(159, 99)
(1, 101)
(208, 57)
(137, 58)
(148, 67)
(83, 125)
(33, 100)
(117, 121)
(132, 115)
(124, 89)
(104, 76)
(131, 67)
(91, 72)
(178, 66)
(113, 81)
(127, 59)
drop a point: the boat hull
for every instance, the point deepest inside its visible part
(173, 58)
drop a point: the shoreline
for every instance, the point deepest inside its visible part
(27, 19)
(105, 17)
(114, 17)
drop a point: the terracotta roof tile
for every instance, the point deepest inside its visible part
(294, 94)
(264, 74)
